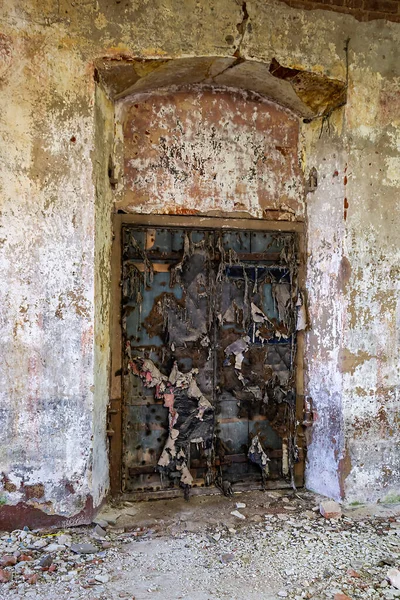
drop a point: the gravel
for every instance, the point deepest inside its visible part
(276, 555)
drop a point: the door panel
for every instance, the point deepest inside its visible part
(255, 352)
(208, 319)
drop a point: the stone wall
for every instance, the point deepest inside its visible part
(56, 201)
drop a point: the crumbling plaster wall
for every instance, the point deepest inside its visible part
(353, 250)
(103, 162)
(47, 249)
(210, 152)
(52, 367)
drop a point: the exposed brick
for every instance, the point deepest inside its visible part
(381, 6)
(301, 4)
(373, 16)
(362, 10)
(354, 3)
(341, 9)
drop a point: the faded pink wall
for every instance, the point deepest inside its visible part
(202, 151)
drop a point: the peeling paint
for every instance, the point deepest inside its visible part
(57, 128)
(211, 151)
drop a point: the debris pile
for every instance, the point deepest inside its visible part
(274, 545)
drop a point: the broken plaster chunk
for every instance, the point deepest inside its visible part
(227, 558)
(54, 547)
(84, 548)
(330, 509)
(99, 531)
(40, 543)
(393, 576)
(101, 522)
(237, 514)
(240, 505)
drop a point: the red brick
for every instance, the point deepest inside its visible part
(338, 9)
(4, 576)
(352, 573)
(301, 4)
(362, 10)
(8, 561)
(373, 16)
(381, 6)
(354, 3)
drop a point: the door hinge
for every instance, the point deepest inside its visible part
(110, 411)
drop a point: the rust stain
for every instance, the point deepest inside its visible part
(180, 210)
(6, 54)
(361, 392)
(79, 302)
(387, 300)
(348, 361)
(11, 516)
(345, 207)
(344, 470)
(383, 423)
(389, 104)
(7, 484)
(344, 274)
(33, 491)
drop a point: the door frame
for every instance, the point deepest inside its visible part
(115, 411)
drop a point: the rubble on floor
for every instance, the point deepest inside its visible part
(283, 548)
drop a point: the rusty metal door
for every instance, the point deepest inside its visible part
(209, 327)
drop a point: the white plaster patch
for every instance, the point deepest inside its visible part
(392, 171)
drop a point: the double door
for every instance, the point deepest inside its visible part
(209, 319)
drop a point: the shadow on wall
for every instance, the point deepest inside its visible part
(307, 94)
